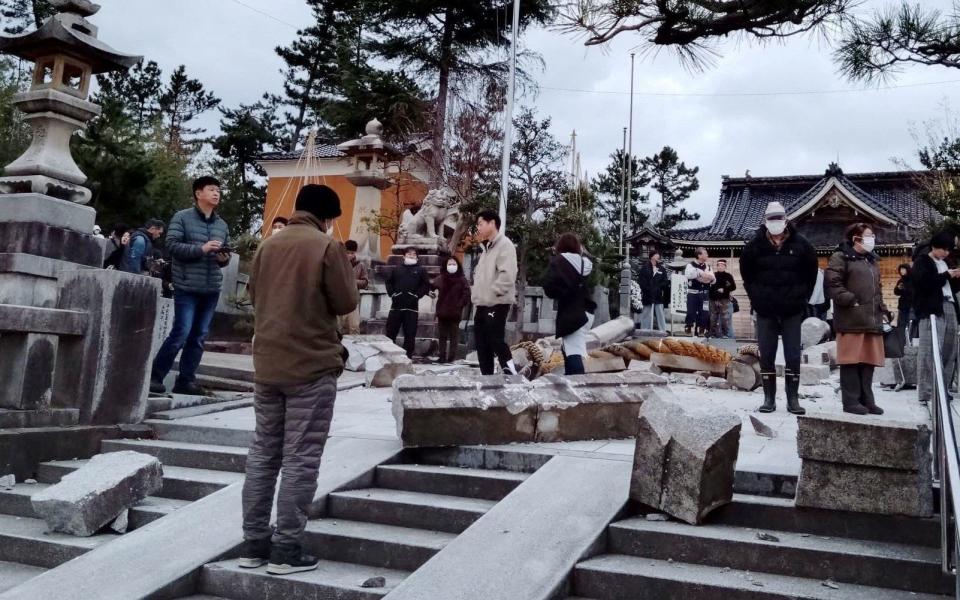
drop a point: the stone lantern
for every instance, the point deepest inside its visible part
(66, 54)
(369, 156)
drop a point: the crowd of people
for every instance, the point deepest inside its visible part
(305, 288)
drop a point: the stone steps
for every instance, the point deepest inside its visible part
(27, 541)
(157, 404)
(481, 484)
(622, 577)
(16, 503)
(898, 566)
(179, 483)
(451, 514)
(333, 580)
(781, 514)
(373, 544)
(200, 434)
(13, 574)
(184, 454)
(203, 409)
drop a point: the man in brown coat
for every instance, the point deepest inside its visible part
(350, 324)
(300, 282)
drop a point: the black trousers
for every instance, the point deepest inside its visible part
(448, 332)
(856, 385)
(408, 320)
(771, 328)
(490, 327)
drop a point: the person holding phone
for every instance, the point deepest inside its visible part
(935, 286)
(198, 241)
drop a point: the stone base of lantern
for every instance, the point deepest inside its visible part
(58, 243)
(40, 208)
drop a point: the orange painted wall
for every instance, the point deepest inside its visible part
(282, 195)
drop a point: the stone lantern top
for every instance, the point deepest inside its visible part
(371, 143)
(68, 32)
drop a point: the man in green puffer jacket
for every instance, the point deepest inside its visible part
(198, 241)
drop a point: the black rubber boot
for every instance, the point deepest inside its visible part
(793, 393)
(769, 382)
(866, 390)
(850, 392)
(573, 365)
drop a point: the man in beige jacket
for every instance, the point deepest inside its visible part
(494, 293)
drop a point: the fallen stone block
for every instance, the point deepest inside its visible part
(685, 458)
(813, 331)
(8, 481)
(610, 332)
(814, 374)
(361, 348)
(821, 354)
(851, 439)
(460, 409)
(857, 488)
(95, 494)
(612, 364)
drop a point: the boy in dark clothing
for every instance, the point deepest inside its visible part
(720, 290)
(406, 284)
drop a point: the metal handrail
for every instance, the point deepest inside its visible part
(946, 463)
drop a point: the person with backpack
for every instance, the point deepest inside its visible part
(138, 254)
(566, 281)
(453, 295)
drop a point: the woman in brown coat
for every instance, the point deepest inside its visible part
(852, 281)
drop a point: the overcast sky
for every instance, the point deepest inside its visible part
(230, 48)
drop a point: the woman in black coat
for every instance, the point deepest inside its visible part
(454, 296)
(566, 282)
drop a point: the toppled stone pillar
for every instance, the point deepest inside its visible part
(451, 410)
(97, 493)
(685, 458)
(610, 332)
(863, 464)
(378, 357)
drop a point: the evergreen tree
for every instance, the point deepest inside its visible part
(447, 43)
(181, 101)
(608, 187)
(136, 91)
(675, 182)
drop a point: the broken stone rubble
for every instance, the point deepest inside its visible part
(462, 409)
(685, 458)
(98, 492)
(378, 357)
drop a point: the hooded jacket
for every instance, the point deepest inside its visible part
(495, 278)
(779, 281)
(566, 282)
(300, 282)
(852, 281)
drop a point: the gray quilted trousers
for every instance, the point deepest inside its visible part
(292, 427)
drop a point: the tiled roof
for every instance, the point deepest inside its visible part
(743, 200)
(319, 151)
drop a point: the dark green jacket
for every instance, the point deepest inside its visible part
(194, 271)
(852, 281)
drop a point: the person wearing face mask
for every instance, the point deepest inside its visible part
(852, 282)
(654, 281)
(453, 296)
(350, 324)
(779, 269)
(935, 287)
(406, 284)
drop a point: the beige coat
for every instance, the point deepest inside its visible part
(495, 278)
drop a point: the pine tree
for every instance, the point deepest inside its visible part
(136, 91)
(446, 43)
(182, 100)
(608, 187)
(675, 182)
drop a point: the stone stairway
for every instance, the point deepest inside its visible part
(388, 530)
(812, 554)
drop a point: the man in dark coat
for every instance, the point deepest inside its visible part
(720, 325)
(654, 282)
(935, 287)
(406, 284)
(779, 270)
(300, 282)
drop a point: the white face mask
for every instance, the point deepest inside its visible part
(776, 227)
(409, 261)
(868, 243)
(452, 269)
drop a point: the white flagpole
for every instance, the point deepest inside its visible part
(508, 119)
(630, 162)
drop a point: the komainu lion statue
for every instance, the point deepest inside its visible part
(437, 210)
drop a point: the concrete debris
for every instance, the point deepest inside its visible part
(813, 332)
(8, 481)
(31, 482)
(122, 522)
(766, 537)
(657, 517)
(374, 582)
(830, 584)
(376, 355)
(95, 494)
(685, 458)
(761, 428)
